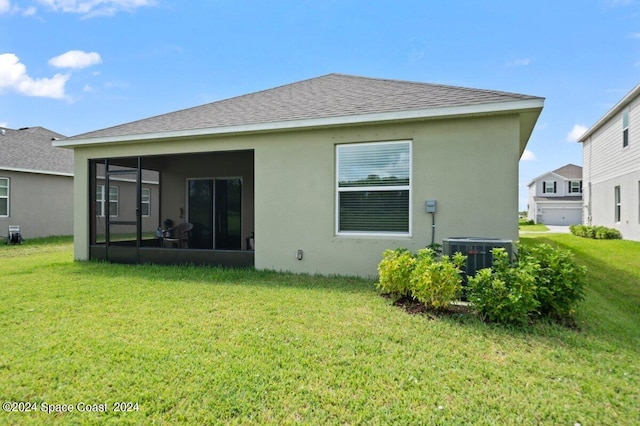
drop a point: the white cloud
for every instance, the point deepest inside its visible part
(90, 8)
(523, 62)
(75, 59)
(528, 156)
(7, 7)
(577, 131)
(13, 76)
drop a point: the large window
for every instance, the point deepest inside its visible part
(618, 204)
(374, 188)
(4, 197)
(625, 128)
(113, 200)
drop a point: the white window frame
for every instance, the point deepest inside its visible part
(102, 200)
(625, 128)
(114, 200)
(6, 197)
(548, 191)
(339, 190)
(575, 187)
(145, 200)
(617, 194)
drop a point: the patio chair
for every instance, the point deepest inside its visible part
(14, 236)
(179, 236)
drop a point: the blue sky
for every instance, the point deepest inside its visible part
(78, 65)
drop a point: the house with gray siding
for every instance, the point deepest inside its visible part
(555, 198)
(36, 183)
(316, 176)
(611, 168)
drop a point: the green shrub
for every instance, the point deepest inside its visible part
(504, 293)
(597, 232)
(604, 233)
(559, 281)
(395, 272)
(435, 282)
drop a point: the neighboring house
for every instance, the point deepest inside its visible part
(555, 198)
(611, 161)
(36, 183)
(326, 173)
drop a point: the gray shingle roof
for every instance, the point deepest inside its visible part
(570, 171)
(332, 95)
(30, 149)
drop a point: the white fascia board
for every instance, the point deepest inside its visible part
(560, 201)
(612, 112)
(482, 109)
(41, 172)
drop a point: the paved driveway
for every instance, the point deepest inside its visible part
(558, 229)
(553, 229)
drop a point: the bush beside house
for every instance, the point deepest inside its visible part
(595, 232)
(544, 282)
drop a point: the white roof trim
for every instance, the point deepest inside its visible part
(489, 108)
(613, 111)
(566, 179)
(42, 172)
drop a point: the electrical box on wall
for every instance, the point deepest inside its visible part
(430, 206)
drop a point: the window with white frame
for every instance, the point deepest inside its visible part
(618, 204)
(373, 182)
(575, 187)
(549, 187)
(145, 201)
(100, 200)
(4, 197)
(625, 128)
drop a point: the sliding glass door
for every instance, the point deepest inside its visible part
(215, 210)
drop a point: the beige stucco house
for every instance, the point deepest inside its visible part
(324, 174)
(611, 161)
(36, 183)
(555, 198)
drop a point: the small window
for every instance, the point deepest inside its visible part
(100, 200)
(4, 197)
(618, 204)
(549, 187)
(575, 187)
(145, 201)
(373, 188)
(113, 201)
(625, 128)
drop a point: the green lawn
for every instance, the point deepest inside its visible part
(523, 226)
(209, 346)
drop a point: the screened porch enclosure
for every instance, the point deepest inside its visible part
(137, 203)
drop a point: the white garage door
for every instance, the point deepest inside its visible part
(560, 216)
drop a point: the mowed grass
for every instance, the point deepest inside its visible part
(196, 345)
(523, 226)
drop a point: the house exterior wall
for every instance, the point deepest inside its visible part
(41, 204)
(469, 165)
(606, 165)
(126, 210)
